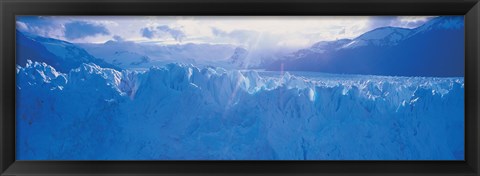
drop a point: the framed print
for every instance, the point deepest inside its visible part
(254, 87)
(232, 88)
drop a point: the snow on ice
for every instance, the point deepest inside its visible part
(184, 112)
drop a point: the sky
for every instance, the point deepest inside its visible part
(280, 32)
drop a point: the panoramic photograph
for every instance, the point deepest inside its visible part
(240, 88)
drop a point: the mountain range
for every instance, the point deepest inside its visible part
(128, 54)
(435, 48)
(62, 55)
(119, 55)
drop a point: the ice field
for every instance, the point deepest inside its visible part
(185, 112)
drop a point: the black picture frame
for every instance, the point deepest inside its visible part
(10, 8)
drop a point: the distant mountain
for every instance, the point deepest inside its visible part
(62, 55)
(127, 54)
(433, 49)
(238, 57)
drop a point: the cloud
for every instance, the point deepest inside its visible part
(218, 32)
(39, 25)
(38, 21)
(255, 32)
(178, 35)
(341, 32)
(22, 26)
(240, 36)
(118, 38)
(397, 21)
(81, 29)
(412, 21)
(162, 32)
(147, 33)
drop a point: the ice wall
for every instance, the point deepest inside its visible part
(184, 112)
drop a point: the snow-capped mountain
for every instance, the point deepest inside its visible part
(123, 54)
(385, 36)
(126, 59)
(127, 54)
(62, 55)
(65, 56)
(388, 51)
(180, 111)
(238, 57)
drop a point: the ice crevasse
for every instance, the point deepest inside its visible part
(180, 111)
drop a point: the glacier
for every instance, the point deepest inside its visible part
(184, 112)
